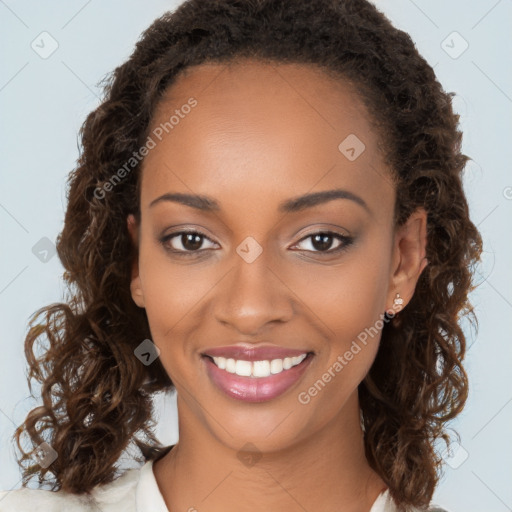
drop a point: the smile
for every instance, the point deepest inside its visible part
(257, 369)
(256, 381)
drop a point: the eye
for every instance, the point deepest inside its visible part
(321, 242)
(190, 242)
(184, 243)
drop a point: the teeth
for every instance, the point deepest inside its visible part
(257, 368)
(260, 369)
(276, 366)
(230, 365)
(243, 368)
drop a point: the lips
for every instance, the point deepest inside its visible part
(250, 388)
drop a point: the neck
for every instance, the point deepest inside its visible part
(327, 471)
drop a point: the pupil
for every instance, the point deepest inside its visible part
(191, 241)
(325, 241)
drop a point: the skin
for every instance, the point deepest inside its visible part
(261, 134)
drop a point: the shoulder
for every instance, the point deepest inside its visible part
(108, 497)
(385, 503)
(431, 508)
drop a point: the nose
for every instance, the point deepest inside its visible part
(252, 296)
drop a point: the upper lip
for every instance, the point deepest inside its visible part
(252, 353)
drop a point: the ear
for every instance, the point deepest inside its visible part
(409, 259)
(135, 283)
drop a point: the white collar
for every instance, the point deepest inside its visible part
(148, 497)
(384, 503)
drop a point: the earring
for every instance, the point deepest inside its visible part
(397, 306)
(398, 301)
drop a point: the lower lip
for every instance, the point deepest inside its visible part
(255, 389)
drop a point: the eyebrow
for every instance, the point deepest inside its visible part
(296, 204)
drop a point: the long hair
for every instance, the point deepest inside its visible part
(97, 396)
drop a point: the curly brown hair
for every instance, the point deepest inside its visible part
(97, 397)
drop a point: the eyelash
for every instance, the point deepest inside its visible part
(346, 242)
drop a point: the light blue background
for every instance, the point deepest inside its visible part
(45, 101)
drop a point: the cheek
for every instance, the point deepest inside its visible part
(172, 293)
(350, 301)
(345, 358)
(350, 296)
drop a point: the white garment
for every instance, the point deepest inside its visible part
(134, 491)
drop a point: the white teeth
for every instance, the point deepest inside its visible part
(257, 368)
(276, 366)
(243, 368)
(261, 369)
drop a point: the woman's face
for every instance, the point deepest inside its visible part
(260, 270)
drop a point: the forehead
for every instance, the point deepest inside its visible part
(276, 128)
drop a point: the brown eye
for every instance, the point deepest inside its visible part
(184, 242)
(322, 242)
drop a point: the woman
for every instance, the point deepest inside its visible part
(267, 216)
